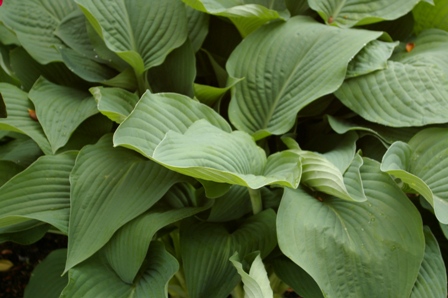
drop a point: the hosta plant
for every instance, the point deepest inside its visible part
(216, 148)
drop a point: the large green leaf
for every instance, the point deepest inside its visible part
(34, 23)
(431, 280)
(101, 181)
(115, 103)
(291, 64)
(60, 110)
(429, 16)
(46, 280)
(256, 281)
(209, 153)
(42, 192)
(126, 260)
(95, 278)
(411, 91)
(337, 236)
(348, 13)
(423, 164)
(8, 169)
(246, 15)
(197, 27)
(19, 120)
(24, 233)
(21, 150)
(126, 30)
(157, 114)
(207, 247)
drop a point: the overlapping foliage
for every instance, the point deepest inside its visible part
(211, 148)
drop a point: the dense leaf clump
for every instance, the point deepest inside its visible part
(205, 148)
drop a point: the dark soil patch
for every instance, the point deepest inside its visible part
(25, 258)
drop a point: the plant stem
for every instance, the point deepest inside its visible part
(255, 199)
(142, 83)
(238, 291)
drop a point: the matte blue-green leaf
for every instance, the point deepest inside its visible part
(115, 103)
(431, 280)
(8, 169)
(24, 233)
(198, 23)
(422, 164)
(125, 28)
(34, 23)
(348, 13)
(209, 153)
(95, 278)
(431, 15)
(21, 150)
(411, 91)
(336, 236)
(19, 120)
(291, 64)
(110, 187)
(246, 15)
(157, 114)
(46, 280)
(42, 192)
(60, 110)
(207, 247)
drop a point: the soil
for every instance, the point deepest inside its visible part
(24, 258)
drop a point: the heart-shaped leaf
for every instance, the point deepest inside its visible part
(422, 164)
(335, 235)
(307, 60)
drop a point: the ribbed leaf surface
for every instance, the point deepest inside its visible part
(428, 16)
(115, 103)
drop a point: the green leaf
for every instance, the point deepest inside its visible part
(232, 205)
(19, 120)
(422, 164)
(94, 278)
(34, 23)
(429, 16)
(177, 73)
(198, 23)
(21, 150)
(210, 94)
(209, 153)
(296, 278)
(60, 110)
(431, 280)
(157, 114)
(101, 178)
(348, 13)
(292, 64)
(3, 112)
(246, 15)
(24, 233)
(207, 247)
(124, 27)
(46, 280)
(42, 192)
(337, 236)
(8, 169)
(411, 91)
(372, 57)
(256, 281)
(115, 103)
(126, 260)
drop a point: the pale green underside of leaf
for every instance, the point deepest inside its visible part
(336, 235)
(429, 16)
(256, 281)
(207, 247)
(291, 64)
(19, 120)
(41, 192)
(206, 152)
(34, 23)
(348, 13)
(246, 15)
(372, 57)
(422, 164)
(140, 43)
(94, 278)
(411, 91)
(431, 280)
(97, 209)
(60, 110)
(114, 103)
(46, 280)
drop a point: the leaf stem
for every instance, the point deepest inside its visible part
(142, 82)
(238, 291)
(255, 199)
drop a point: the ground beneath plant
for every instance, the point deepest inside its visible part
(25, 257)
